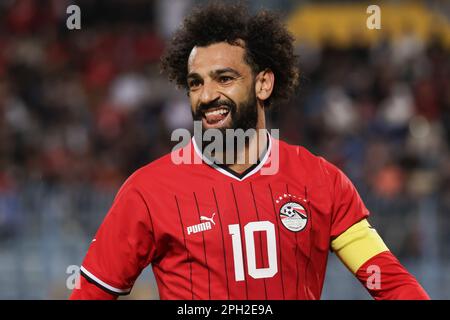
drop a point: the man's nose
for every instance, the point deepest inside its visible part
(209, 93)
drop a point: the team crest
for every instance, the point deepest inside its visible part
(293, 215)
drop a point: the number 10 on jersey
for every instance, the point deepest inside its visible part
(249, 233)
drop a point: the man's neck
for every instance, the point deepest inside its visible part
(251, 153)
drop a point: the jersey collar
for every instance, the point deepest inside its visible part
(230, 173)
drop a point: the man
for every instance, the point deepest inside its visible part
(220, 230)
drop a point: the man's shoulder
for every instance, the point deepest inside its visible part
(302, 157)
(161, 168)
(300, 153)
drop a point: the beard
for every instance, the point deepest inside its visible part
(243, 116)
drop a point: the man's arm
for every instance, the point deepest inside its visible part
(122, 248)
(90, 291)
(364, 253)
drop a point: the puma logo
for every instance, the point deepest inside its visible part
(203, 218)
(203, 226)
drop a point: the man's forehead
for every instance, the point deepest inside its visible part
(220, 54)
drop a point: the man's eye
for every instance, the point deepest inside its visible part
(194, 83)
(225, 79)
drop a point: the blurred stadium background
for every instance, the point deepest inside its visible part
(80, 110)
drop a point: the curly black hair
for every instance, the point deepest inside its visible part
(268, 44)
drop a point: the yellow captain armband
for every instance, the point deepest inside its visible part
(358, 244)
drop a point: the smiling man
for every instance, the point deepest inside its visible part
(230, 231)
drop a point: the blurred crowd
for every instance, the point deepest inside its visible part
(382, 114)
(87, 108)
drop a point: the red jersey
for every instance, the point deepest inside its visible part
(212, 234)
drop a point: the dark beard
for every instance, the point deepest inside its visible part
(243, 117)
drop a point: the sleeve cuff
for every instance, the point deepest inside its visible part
(103, 285)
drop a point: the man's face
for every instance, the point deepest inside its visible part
(221, 87)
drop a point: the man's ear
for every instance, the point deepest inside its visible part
(265, 81)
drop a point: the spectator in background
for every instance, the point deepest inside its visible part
(94, 102)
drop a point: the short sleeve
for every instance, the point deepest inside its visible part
(348, 207)
(123, 245)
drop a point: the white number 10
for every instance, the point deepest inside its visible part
(249, 230)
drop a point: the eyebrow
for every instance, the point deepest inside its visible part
(215, 73)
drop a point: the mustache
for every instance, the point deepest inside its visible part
(215, 104)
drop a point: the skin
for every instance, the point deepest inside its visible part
(219, 71)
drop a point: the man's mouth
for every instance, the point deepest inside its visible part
(215, 117)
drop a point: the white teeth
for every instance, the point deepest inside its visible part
(216, 112)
